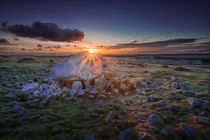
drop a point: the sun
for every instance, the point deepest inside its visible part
(91, 51)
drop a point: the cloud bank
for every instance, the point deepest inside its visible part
(45, 32)
(164, 43)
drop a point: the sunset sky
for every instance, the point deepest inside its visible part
(110, 27)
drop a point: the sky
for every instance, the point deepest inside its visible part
(110, 27)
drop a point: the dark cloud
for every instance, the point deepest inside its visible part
(45, 32)
(164, 43)
(4, 42)
(39, 45)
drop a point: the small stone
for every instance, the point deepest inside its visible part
(144, 92)
(170, 97)
(142, 119)
(139, 102)
(100, 103)
(128, 134)
(72, 92)
(138, 91)
(81, 92)
(116, 90)
(110, 116)
(69, 98)
(194, 102)
(144, 84)
(202, 121)
(89, 137)
(154, 118)
(30, 88)
(91, 96)
(10, 95)
(174, 78)
(175, 85)
(164, 132)
(36, 93)
(188, 130)
(77, 85)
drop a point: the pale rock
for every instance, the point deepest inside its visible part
(77, 85)
(36, 93)
(72, 92)
(81, 92)
(30, 88)
(82, 65)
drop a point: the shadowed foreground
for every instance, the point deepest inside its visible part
(166, 99)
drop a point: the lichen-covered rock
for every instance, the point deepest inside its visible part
(194, 102)
(154, 118)
(129, 134)
(83, 65)
(30, 88)
(77, 85)
(188, 130)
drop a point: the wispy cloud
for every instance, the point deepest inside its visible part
(156, 43)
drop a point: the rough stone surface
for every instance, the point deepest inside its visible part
(154, 118)
(82, 65)
(30, 88)
(128, 134)
(77, 85)
(194, 102)
(188, 130)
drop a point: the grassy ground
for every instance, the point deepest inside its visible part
(75, 119)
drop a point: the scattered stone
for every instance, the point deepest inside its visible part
(30, 88)
(100, 103)
(77, 85)
(69, 98)
(142, 137)
(194, 102)
(110, 116)
(164, 132)
(154, 118)
(36, 93)
(115, 90)
(174, 78)
(202, 121)
(91, 96)
(139, 102)
(175, 85)
(170, 97)
(89, 137)
(188, 130)
(10, 95)
(144, 92)
(144, 84)
(138, 91)
(81, 92)
(72, 92)
(128, 134)
(142, 119)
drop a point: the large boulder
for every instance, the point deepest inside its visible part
(84, 65)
